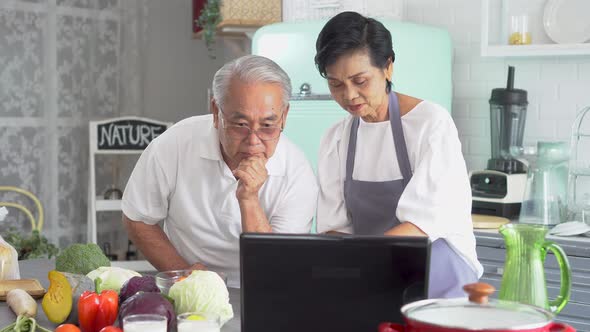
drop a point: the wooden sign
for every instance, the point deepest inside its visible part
(127, 134)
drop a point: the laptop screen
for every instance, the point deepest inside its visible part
(328, 282)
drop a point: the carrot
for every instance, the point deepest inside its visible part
(21, 303)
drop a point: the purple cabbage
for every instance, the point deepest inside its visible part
(149, 303)
(138, 284)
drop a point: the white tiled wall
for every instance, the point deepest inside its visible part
(558, 87)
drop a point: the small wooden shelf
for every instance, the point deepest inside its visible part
(232, 30)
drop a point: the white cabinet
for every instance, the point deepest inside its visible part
(495, 23)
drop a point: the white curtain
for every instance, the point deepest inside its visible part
(62, 64)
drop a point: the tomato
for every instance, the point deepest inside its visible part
(67, 328)
(111, 329)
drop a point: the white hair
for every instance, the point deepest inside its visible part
(250, 69)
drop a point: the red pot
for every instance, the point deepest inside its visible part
(476, 314)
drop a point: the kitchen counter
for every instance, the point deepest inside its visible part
(491, 251)
(38, 269)
(578, 246)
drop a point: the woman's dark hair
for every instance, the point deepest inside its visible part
(348, 32)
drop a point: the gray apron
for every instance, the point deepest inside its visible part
(372, 206)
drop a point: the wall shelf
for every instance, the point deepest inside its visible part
(237, 38)
(227, 30)
(494, 32)
(535, 50)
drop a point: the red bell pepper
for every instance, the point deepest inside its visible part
(97, 311)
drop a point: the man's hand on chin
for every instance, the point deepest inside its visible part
(251, 174)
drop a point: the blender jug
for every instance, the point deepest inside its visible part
(498, 190)
(507, 116)
(546, 188)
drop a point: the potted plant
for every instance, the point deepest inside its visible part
(33, 245)
(232, 17)
(208, 20)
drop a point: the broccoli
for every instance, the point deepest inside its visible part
(81, 258)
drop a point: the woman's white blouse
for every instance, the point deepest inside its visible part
(438, 197)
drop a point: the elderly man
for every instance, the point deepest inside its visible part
(209, 178)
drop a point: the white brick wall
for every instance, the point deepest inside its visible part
(558, 87)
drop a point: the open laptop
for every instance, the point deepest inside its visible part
(329, 282)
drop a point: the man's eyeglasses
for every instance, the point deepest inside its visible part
(239, 131)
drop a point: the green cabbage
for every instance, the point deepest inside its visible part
(107, 277)
(203, 292)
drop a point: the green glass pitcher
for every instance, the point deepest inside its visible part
(524, 275)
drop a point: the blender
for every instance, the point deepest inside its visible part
(499, 189)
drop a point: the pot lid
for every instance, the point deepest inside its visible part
(471, 315)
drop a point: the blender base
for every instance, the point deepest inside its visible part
(491, 208)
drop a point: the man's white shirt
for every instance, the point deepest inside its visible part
(182, 181)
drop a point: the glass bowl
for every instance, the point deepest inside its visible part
(165, 280)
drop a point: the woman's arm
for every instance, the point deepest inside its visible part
(437, 199)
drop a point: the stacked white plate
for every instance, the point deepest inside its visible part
(570, 228)
(566, 21)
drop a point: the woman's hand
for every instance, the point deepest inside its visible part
(406, 229)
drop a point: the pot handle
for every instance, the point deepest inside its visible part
(390, 327)
(560, 327)
(565, 286)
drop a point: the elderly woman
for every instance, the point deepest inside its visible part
(394, 166)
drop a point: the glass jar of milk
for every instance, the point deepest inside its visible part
(198, 322)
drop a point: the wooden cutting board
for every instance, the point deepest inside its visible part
(31, 286)
(481, 221)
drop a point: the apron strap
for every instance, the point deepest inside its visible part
(398, 140)
(351, 148)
